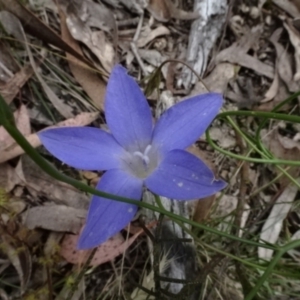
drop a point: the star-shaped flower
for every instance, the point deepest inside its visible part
(134, 153)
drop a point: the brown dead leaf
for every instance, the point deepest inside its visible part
(23, 124)
(58, 218)
(99, 16)
(9, 65)
(41, 185)
(92, 84)
(8, 177)
(292, 7)
(14, 150)
(272, 228)
(284, 62)
(94, 40)
(164, 10)
(148, 35)
(237, 54)
(37, 28)
(12, 25)
(51, 246)
(11, 87)
(295, 40)
(273, 89)
(217, 80)
(107, 251)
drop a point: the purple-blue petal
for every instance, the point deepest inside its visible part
(85, 148)
(127, 112)
(183, 176)
(107, 217)
(182, 124)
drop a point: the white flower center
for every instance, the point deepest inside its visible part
(141, 163)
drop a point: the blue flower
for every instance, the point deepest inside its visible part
(135, 154)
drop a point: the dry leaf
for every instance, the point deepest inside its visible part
(39, 29)
(41, 185)
(290, 6)
(237, 54)
(107, 251)
(223, 136)
(12, 87)
(217, 80)
(295, 40)
(99, 16)
(14, 27)
(226, 206)
(8, 177)
(10, 66)
(82, 119)
(148, 35)
(91, 83)
(59, 218)
(273, 90)
(272, 227)
(283, 62)
(19, 256)
(164, 10)
(94, 40)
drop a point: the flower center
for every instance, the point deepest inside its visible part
(141, 163)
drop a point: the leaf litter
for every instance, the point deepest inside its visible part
(255, 64)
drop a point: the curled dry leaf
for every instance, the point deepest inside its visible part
(107, 251)
(148, 35)
(295, 40)
(284, 62)
(94, 40)
(91, 83)
(14, 150)
(273, 89)
(272, 227)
